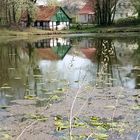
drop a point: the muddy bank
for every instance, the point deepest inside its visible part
(111, 114)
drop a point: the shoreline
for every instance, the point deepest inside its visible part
(99, 32)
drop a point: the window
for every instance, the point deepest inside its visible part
(85, 17)
(57, 22)
(44, 23)
(119, 5)
(38, 23)
(129, 5)
(121, 14)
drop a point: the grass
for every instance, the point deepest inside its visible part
(85, 29)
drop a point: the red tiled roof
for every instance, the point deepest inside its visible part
(89, 52)
(87, 9)
(44, 13)
(47, 54)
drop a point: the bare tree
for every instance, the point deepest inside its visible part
(105, 11)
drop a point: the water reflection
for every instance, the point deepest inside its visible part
(42, 68)
(105, 56)
(53, 48)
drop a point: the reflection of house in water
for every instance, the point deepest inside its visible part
(87, 47)
(53, 48)
(89, 53)
(124, 50)
(126, 58)
(87, 43)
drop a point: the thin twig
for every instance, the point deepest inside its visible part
(25, 129)
(138, 136)
(29, 126)
(71, 112)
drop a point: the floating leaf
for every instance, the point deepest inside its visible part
(11, 68)
(113, 124)
(55, 97)
(6, 136)
(39, 117)
(78, 123)
(59, 90)
(60, 124)
(44, 90)
(101, 136)
(97, 122)
(101, 129)
(6, 87)
(121, 96)
(30, 97)
(136, 107)
(37, 76)
(9, 96)
(17, 78)
(3, 107)
(111, 107)
(93, 118)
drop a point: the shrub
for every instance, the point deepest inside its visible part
(127, 21)
(80, 26)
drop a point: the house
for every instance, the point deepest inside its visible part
(49, 17)
(86, 13)
(125, 9)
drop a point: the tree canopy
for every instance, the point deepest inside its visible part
(136, 4)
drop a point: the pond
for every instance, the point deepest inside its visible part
(37, 69)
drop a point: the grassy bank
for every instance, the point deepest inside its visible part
(34, 31)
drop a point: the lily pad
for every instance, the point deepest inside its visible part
(3, 107)
(38, 117)
(30, 97)
(102, 136)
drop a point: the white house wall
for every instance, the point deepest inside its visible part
(62, 25)
(85, 18)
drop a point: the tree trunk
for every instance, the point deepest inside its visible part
(14, 13)
(104, 13)
(6, 11)
(9, 16)
(29, 19)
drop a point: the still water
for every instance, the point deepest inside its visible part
(39, 68)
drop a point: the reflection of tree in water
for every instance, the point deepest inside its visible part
(11, 70)
(32, 71)
(136, 70)
(106, 56)
(9, 61)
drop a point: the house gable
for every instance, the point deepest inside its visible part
(60, 16)
(88, 8)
